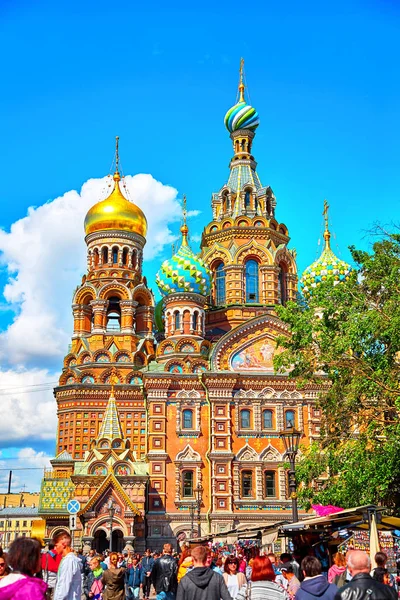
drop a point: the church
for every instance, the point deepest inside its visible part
(170, 412)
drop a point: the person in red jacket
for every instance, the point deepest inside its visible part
(50, 563)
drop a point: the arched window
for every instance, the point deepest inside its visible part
(96, 257)
(187, 484)
(247, 199)
(195, 321)
(245, 419)
(177, 320)
(104, 254)
(113, 314)
(282, 286)
(247, 484)
(134, 259)
(251, 279)
(289, 419)
(269, 483)
(220, 285)
(115, 255)
(187, 419)
(267, 419)
(125, 256)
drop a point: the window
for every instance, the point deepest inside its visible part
(289, 419)
(177, 320)
(187, 484)
(25, 524)
(251, 280)
(247, 199)
(247, 484)
(113, 315)
(1, 523)
(195, 321)
(104, 254)
(220, 285)
(269, 479)
(115, 255)
(245, 419)
(282, 286)
(125, 256)
(267, 419)
(187, 419)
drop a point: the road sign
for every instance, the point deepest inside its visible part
(73, 507)
(72, 522)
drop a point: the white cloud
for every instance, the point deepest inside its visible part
(45, 256)
(28, 407)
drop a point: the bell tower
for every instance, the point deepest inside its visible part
(244, 246)
(113, 323)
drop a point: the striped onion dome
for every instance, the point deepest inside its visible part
(241, 116)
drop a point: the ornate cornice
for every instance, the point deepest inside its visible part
(116, 234)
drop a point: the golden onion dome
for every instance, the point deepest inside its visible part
(116, 212)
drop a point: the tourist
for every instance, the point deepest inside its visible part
(201, 581)
(263, 583)
(50, 563)
(233, 579)
(185, 563)
(362, 586)
(4, 569)
(94, 579)
(338, 567)
(381, 560)
(24, 558)
(114, 580)
(164, 575)
(69, 579)
(133, 579)
(147, 567)
(315, 585)
(215, 566)
(293, 583)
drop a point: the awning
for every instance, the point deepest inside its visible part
(348, 518)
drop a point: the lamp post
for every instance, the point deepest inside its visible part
(111, 512)
(199, 497)
(291, 439)
(192, 508)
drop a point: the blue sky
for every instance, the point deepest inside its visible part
(324, 78)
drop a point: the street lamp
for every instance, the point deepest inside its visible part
(199, 497)
(111, 512)
(291, 439)
(192, 508)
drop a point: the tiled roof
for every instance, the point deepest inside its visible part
(19, 511)
(62, 457)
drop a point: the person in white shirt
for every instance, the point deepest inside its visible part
(69, 580)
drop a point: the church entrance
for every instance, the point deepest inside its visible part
(118, 543)
(100, 541)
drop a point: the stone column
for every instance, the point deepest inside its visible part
(76, 311)
(99, 310)
(128, 309)
(269, 284)
(234, 289)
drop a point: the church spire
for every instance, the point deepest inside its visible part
(111, 427)
(327, 233)
(241, 83)
(184, 228)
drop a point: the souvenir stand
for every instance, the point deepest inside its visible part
(344, 530)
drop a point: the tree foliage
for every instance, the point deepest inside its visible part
(348, 336)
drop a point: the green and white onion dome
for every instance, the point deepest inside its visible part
(328, 267)
(184, 272)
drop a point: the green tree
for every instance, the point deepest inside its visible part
(347, 339)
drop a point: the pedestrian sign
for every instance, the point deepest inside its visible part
(73, 507)
(72, 522)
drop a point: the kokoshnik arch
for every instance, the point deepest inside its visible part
(156, 400)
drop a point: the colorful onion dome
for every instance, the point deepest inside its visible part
(116, 212)
(328, 267)
(241, 116)
(184, 272)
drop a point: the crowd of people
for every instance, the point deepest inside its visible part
(60, 573)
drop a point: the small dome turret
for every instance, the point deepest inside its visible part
(184, 272)
(328, 267)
